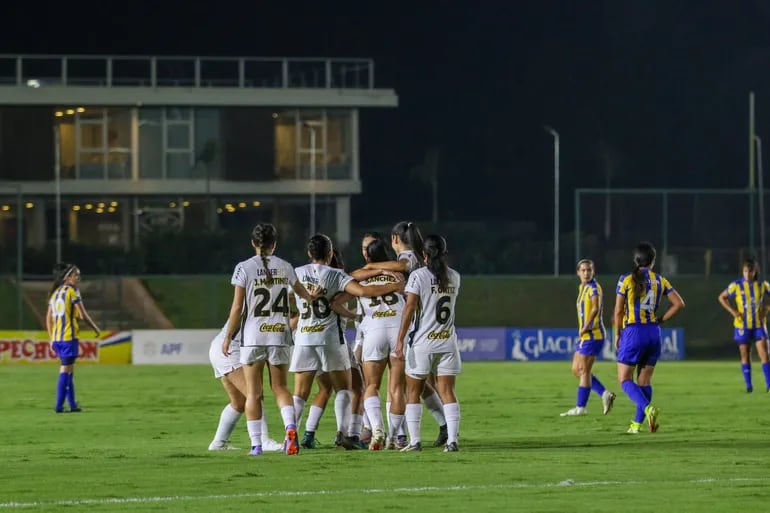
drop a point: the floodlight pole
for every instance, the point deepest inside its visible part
(555, 135)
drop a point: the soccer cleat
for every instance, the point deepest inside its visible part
(749, 390)
(309, 441)
(415, 447)
(222, 446)
(390, 445)
(349, 443)
(58, 410)
(634, 428)
(451, 447)
(651, 413)
(290, 444)
(572, 412)
(443, 436)
(256, 450)
(270, 445)
(76, 409)
(401, 442)
(366, 434)
(377, 443)
(608, 399)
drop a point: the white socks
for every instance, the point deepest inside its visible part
(342, 409)
(299, 406)
(227, 421)
(255, 431)
(452, 412)
(374, 412)
(288, 415)
(313, 418)
(413, 420)
(433, 403)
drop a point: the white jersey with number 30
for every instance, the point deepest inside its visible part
(266, 307)
(318, 324)
(434, 323)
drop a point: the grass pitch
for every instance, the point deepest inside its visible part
(140, 445)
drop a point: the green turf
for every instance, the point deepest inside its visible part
(141, 442)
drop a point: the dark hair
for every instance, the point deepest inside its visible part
(753, 264)
(264, 236)
(410, 234)
(435, 249)
(337, 262)
(584, 261)
(377, 251)
(319, 246)
(644, 256)
(60, 272)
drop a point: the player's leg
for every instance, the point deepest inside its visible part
(231, 413)
(448, 367)
(254, 393)
(436, 409)
(762, 352)
(744, 349)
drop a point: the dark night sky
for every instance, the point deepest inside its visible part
(658, 88)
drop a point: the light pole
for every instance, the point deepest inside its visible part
(555, 135)
(312, 125)
(761, 187)
(57, 179)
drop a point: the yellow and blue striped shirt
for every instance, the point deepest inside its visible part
(64, 314)
(586, 292)
(641, 309)
(748, 296)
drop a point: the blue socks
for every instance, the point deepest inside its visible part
(647, 391)
(61, 390)
(65, 389)
(597, 386)
(634, 392)
(582, 396)
(71, 391)
(746, 368)
(766, 370)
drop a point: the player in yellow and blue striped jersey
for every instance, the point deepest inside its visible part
(592, 334)
(637, 299)
(64, 308)
(749, 294)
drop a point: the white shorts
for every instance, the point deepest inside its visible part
(224, 365)
(379, 343)
(420, 362)
(274, 355)
(334, 357)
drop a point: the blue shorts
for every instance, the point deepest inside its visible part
(590, 347)
(747, 336)
(67, 351)
(640, 345)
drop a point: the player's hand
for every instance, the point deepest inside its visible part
(617, 343)
(393, 274)
(738, 316)
(226, 347)
(398, 353)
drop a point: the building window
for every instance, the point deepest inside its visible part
(94, 143)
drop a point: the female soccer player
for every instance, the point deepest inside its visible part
(592, 334)
(432, 293)
(319, 344)
(61, 321)
(379, 330)
(749, 294)
(406, 240)
(227, 369)
(260, 309)
(638, 297)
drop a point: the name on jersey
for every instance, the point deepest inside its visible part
(278, 327)
(386, 313)
(439, 335)
(381, 278)
(318, 328)
(260, 282)
(436, 289)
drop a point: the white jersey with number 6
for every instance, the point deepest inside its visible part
(265, 307)
(318, 324)
(434, 324)
(381, 311)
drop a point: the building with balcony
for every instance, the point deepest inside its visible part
(127, 145)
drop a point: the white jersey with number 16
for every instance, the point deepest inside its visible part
(434, 323)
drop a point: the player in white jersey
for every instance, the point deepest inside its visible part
(320, 344)
(406, 240)
(429, 319)
(261, 303)
(379, 330)
(227, 369)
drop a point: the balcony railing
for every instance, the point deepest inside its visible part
(196, 72)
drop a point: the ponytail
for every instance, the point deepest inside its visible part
(436, 251)
(644, 256)
(263, 237)
(60, 273)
